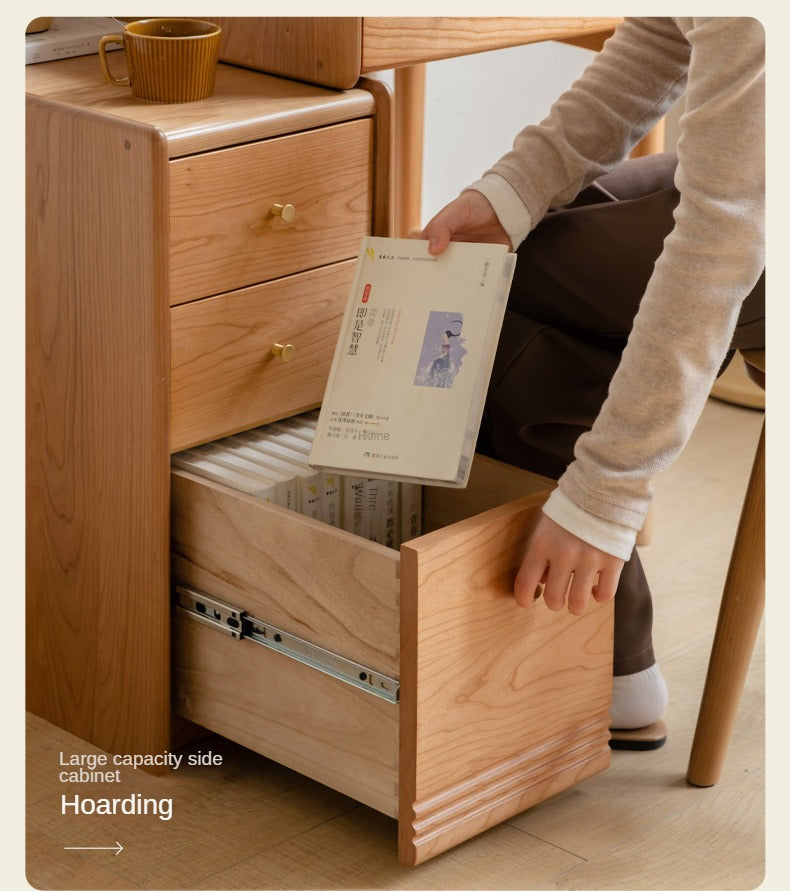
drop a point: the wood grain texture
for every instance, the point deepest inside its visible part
(97, 456)
(324, 728)
(593, 40)
(383, 155)
(409, 136)
(246, 105)
(740, 615)
(327, 586)
(320, 50)
(223, 234)
(394, 42)
(500, 706)
(224, 377)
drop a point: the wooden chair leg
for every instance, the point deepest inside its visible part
(742, 605)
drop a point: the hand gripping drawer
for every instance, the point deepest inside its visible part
(255, 355)
(498, 707)
(255, 212)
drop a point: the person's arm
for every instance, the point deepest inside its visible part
(684, 326)
(626, 90)
(710, 262)
(631, 83)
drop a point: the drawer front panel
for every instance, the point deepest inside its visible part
(223, 233)
(224, 376)
(501, 706)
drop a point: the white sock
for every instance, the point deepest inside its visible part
(638, 699)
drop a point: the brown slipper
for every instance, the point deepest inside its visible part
(642, 739)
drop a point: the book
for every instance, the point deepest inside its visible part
(354, 515)
(226, 454)
(388, 531)
(309, 480)
(209, 468)
(408, 380)
(299, 439)
(300, 425)
(68, 37)
(410, 511)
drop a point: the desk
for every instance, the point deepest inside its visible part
(336, 51)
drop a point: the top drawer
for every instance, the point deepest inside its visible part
(223, 233)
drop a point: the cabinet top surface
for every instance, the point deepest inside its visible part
(246, 104)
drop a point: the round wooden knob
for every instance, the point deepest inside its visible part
(286, 351)
(286, 211)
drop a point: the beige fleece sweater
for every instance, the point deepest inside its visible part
(710, 261)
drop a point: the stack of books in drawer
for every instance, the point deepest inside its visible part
(271, 463)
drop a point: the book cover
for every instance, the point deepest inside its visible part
(408, 380)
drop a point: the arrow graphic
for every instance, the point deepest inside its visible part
(117, 847)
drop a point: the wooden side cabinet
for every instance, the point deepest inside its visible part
(146, 225)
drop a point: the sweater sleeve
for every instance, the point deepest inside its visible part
(636, 78)
(710, 261)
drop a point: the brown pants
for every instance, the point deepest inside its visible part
(579, 279)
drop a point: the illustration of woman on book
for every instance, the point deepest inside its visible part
(440, 370)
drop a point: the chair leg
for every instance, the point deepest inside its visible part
(742, 606)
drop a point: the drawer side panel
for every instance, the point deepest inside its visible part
(323, 585)
(317, 725)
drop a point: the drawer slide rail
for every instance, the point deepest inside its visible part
(240, 625)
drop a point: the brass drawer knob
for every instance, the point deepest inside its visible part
(286, 211)
(286, 351)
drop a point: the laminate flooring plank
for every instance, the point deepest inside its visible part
(712, 844)
(358, 850)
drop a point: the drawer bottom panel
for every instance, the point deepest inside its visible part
(315, 724)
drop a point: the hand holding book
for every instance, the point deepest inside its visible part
(411, 367)
(470, 217)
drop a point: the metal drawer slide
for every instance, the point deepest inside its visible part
(240, 625)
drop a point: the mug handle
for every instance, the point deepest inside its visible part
(109, 76)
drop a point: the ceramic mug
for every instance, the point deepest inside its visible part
(169, 60)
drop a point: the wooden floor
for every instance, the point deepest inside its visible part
(253, 824)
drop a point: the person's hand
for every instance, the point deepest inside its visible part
(470, 217)
(567, 567)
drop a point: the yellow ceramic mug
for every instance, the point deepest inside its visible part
(169, 60)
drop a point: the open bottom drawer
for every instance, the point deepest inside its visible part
(470, 709)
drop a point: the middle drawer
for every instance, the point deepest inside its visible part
(224, 376)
